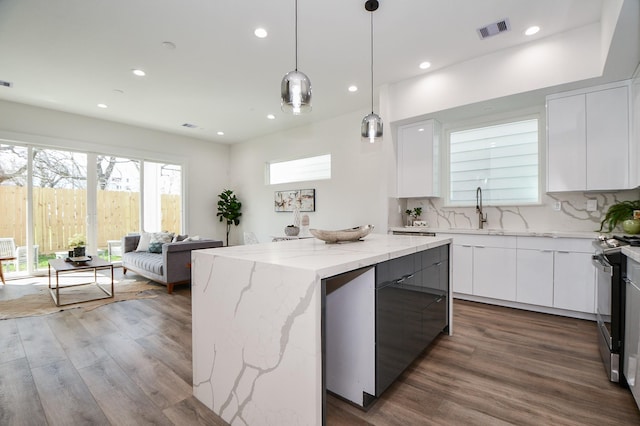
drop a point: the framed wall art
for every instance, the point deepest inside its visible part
(287, 201)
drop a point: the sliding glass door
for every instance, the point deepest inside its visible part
(52, 196)
(13, 199)
(118, 203)
(59, 205)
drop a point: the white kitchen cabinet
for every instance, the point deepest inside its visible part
(484, 265)
(632, 329)
(494, 272)
(418, 159)
(534, 282)
(462, 271)
(547, 274)
(588, 139)
(574, 283)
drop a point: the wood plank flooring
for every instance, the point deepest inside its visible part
(129, 363)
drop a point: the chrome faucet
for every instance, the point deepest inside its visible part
(481, 218)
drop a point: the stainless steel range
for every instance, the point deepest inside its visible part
(610, 287)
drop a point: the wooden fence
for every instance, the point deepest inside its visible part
(59, 214)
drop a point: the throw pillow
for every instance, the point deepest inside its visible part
(178, 238)
(143, 244)
(155, 247)
(194, 238)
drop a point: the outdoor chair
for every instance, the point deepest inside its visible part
(7, 253)
(21, 257)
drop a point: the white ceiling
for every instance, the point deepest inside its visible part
(70, 55)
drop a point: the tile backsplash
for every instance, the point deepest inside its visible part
(572, 216)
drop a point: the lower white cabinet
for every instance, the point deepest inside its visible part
(462, 271)
(632, 333)
(494, 272)
(534, 283)
(538, 271)
(574, 282)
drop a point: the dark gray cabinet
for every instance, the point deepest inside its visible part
(411, 309)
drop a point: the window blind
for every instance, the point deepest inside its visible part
(300, 170)
(501, 159)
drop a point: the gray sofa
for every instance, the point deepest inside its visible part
(172, 266)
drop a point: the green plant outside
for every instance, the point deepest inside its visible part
(617, 213)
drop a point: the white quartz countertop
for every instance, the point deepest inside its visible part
(631, 252)
(497, 231)
(327, 260)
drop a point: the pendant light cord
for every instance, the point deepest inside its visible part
(371, 61)
(296, 38)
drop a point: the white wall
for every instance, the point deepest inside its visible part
(355, 195)
(205, 163)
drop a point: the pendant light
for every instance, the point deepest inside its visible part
(372, 123)
(295, 89)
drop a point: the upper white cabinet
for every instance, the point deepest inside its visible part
(588, 139)
(419, 159)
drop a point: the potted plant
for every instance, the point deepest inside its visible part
(622, 213)
(229, 209)
(77, 243)
(415, 214)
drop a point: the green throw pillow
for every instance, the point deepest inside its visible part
(155, 247)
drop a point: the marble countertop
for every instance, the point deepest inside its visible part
(631, 252)
(495, 231)
(330, 259)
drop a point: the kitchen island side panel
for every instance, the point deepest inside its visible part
(257, 352)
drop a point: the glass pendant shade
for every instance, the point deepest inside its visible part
(295, 93)
(371, 128)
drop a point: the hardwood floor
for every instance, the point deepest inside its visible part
(129, 363)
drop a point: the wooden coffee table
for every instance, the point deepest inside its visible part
(61, 266)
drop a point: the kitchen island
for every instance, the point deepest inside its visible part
(258, 320)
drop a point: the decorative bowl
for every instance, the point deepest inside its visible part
(343, 235)
(291, 231)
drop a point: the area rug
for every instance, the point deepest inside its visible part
(23, 299)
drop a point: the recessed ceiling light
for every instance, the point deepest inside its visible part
(271, 117)
(220, 133)
(102, 106)
(168, 45)
(353, 88)
(139, 73)
(260, 32)
(424, 65)
(532, 30)
(421, 129)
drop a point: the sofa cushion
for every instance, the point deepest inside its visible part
(143, 243)
(151, 262)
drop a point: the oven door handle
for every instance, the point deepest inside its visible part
(600, 264)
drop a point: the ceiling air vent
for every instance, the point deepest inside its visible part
(493, 29)
(6, 83)
(189, 125)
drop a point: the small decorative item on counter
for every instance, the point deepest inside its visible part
(413, 216)
(291, 231)
(422, 223)
(636, 214)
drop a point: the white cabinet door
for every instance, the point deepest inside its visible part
(574, 282)
(535, 277)
(494, 272)
(608, 139)
(588, 139)
(566, 144)
(418, 162)
(631, 361)
(462, 269)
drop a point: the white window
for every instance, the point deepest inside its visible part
(300, 170)
(501, 159)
